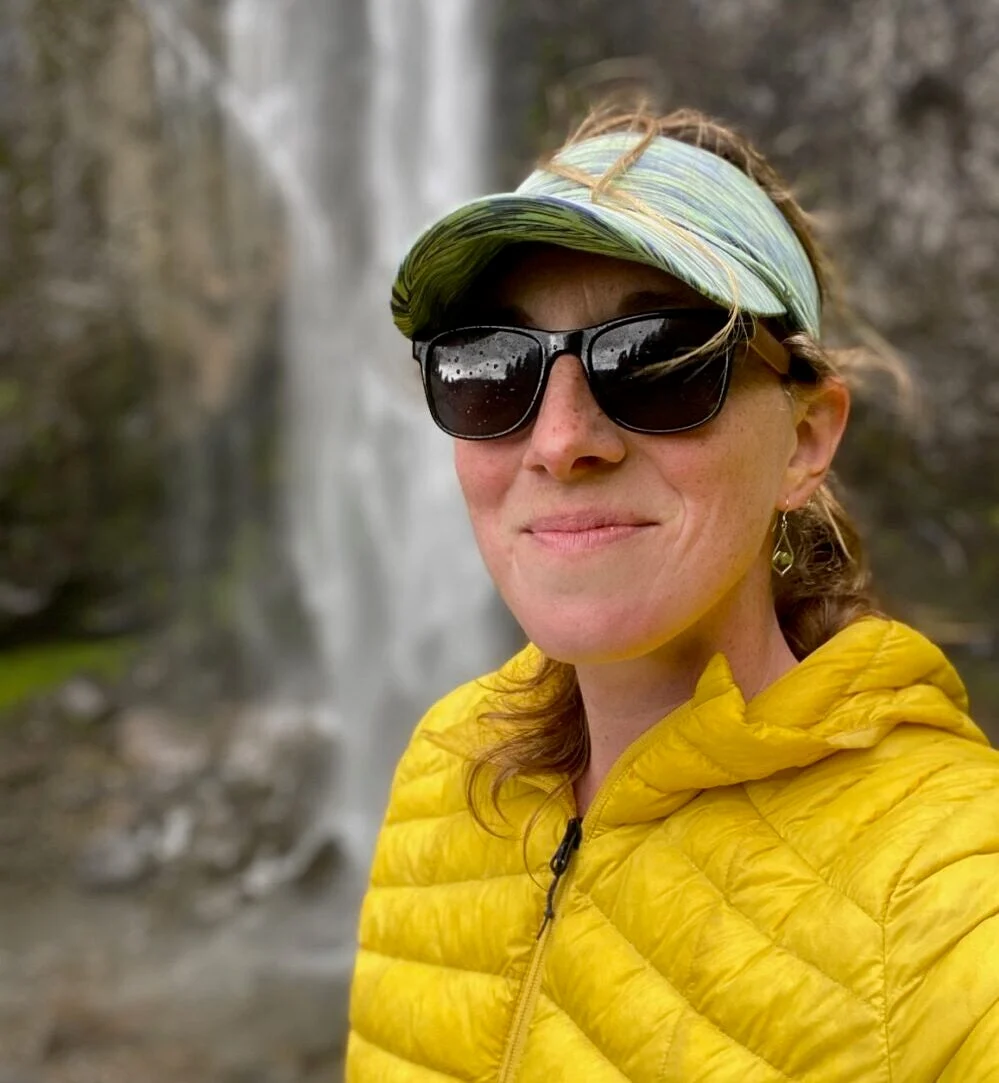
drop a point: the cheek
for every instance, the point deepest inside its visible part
(729, 476)
(486, 470)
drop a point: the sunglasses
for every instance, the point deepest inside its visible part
(658, 372)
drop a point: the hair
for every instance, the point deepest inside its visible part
(539, 716)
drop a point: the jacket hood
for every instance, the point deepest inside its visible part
(850, 693)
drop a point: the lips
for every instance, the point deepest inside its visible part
(582, 521)
(583, 531)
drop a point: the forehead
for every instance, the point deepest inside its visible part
(528, 275)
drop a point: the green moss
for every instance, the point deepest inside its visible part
(10, 397)
(27, 671)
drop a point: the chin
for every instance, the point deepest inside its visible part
(591, 634)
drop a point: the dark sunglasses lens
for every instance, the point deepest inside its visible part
(643, 376)
(482, 382)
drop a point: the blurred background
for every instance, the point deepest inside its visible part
(234, 569)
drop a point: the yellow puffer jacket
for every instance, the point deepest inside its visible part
(804, 887)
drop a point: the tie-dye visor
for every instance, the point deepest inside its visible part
(679, 208)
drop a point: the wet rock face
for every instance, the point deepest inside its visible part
(80, 487)
(135, 331)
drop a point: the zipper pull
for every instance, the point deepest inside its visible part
(559, 863)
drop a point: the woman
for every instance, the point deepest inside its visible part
(720, 820)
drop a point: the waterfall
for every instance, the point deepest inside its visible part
(368, 120)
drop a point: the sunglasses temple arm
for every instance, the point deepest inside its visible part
(768, 349)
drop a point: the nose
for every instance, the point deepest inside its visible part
(571, 433)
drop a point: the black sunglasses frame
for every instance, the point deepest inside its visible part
(579, 342)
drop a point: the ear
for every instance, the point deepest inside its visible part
(820, 419)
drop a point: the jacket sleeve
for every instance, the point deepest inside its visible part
(942, 945)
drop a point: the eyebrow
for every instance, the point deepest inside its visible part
(648, 300)
(634, 303)
(504, 315)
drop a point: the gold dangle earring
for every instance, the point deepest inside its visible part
(782, 559)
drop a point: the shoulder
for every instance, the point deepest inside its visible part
(428, 780)
(868, 819)
(909, 831)
(941, 923)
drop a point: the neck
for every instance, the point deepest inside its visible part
(624, 699)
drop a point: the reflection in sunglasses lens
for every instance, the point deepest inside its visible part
(645, 377)
(483, 382)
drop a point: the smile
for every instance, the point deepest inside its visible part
(583, 532)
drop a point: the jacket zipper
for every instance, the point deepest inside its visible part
(531, 987)
(559, 863)
(560, 860)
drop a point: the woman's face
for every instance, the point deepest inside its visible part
(607, 544)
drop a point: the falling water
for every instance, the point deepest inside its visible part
(369, 120)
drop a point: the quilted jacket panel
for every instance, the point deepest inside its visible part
(804, 887)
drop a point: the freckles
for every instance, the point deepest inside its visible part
(723, 475)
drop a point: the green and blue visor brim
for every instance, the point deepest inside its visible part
(700, 219)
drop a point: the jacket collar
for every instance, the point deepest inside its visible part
(848, 694)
